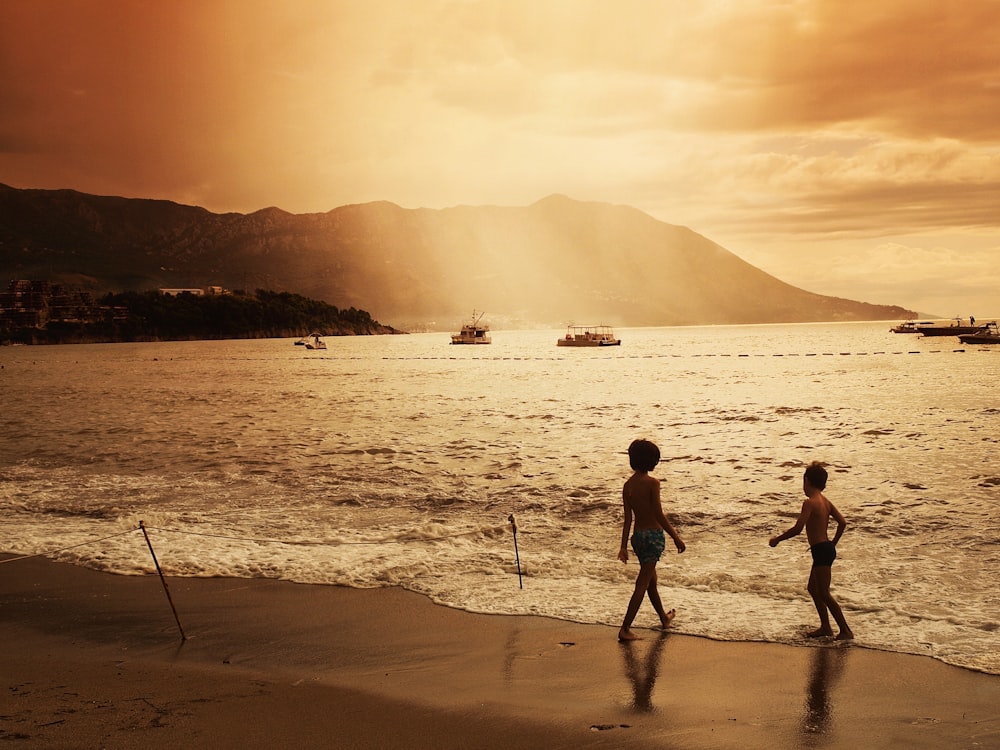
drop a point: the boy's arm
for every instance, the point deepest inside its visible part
(800, 524)
(626, 526)
(841, 523)
(665, 522)
(678, 542)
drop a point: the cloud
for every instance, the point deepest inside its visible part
(764, 124)
(872, 187)
(915, 71)
(943, 276)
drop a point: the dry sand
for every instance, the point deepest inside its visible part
(92, 660)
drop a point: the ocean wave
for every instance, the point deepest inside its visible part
(420, 465)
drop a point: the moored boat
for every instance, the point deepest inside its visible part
(912, 326)
(958, 327)
(589, 336)
(474, 332)
(988, 334)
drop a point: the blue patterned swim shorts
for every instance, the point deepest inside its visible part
(648, 544)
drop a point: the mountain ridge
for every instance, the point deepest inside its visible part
(555, 260)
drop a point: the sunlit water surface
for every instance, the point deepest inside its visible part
(398, 460)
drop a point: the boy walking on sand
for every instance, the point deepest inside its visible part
(641, 497)
(815, 517)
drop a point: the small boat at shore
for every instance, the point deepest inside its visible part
(988, 334)
(912, 326)
(474, 332)
(589, 336)
(956, 328)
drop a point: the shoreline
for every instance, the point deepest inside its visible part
(96, 660)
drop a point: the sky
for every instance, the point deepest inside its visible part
(848, 147)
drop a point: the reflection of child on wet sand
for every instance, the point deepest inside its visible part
(641, 498)
(815, 517)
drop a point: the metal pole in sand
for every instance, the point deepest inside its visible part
(163, 580)
(513, 527)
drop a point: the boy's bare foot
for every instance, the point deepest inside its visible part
(820, 633)
(624, 636)
(845, 635)
(668, 619)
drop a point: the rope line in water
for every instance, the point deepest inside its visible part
(63, 549)
(485, 529)
(333, 543)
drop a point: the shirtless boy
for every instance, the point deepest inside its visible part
(641, 497)
(815, 517)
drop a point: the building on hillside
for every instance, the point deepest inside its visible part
(179, 291)
(35, 304)
(206, 291)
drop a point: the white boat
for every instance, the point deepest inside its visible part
(474, 332)
(589, 336)
(313, 341)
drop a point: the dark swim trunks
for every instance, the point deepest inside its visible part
(648, 545)
(823, 554)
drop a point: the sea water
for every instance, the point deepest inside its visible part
(399, 460)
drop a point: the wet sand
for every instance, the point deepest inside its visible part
(96, 660)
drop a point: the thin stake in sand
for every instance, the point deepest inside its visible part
(513, 528)
(163, 580)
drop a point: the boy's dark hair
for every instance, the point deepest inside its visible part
(643, 455)
(816, 475)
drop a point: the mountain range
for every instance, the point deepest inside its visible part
(553, 262)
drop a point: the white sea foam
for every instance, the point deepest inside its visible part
(397, 461)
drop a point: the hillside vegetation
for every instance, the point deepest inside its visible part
(151, 316)
(555, 261)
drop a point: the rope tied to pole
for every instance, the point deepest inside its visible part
(411, 538)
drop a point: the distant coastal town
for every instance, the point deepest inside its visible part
(35, 304)
(42, 312)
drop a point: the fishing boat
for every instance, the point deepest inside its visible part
(589, 336)
(988, 334)
(474, 332)
(956, 328)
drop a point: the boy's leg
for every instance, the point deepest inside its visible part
(819, 590)
(845, 633)
(647, 572)
(654, 598)
(819, 587)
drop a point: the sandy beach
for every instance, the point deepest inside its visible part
(93, 660)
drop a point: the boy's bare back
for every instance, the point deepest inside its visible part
(641, 493)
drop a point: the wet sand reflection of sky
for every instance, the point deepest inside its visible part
(827, 668)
